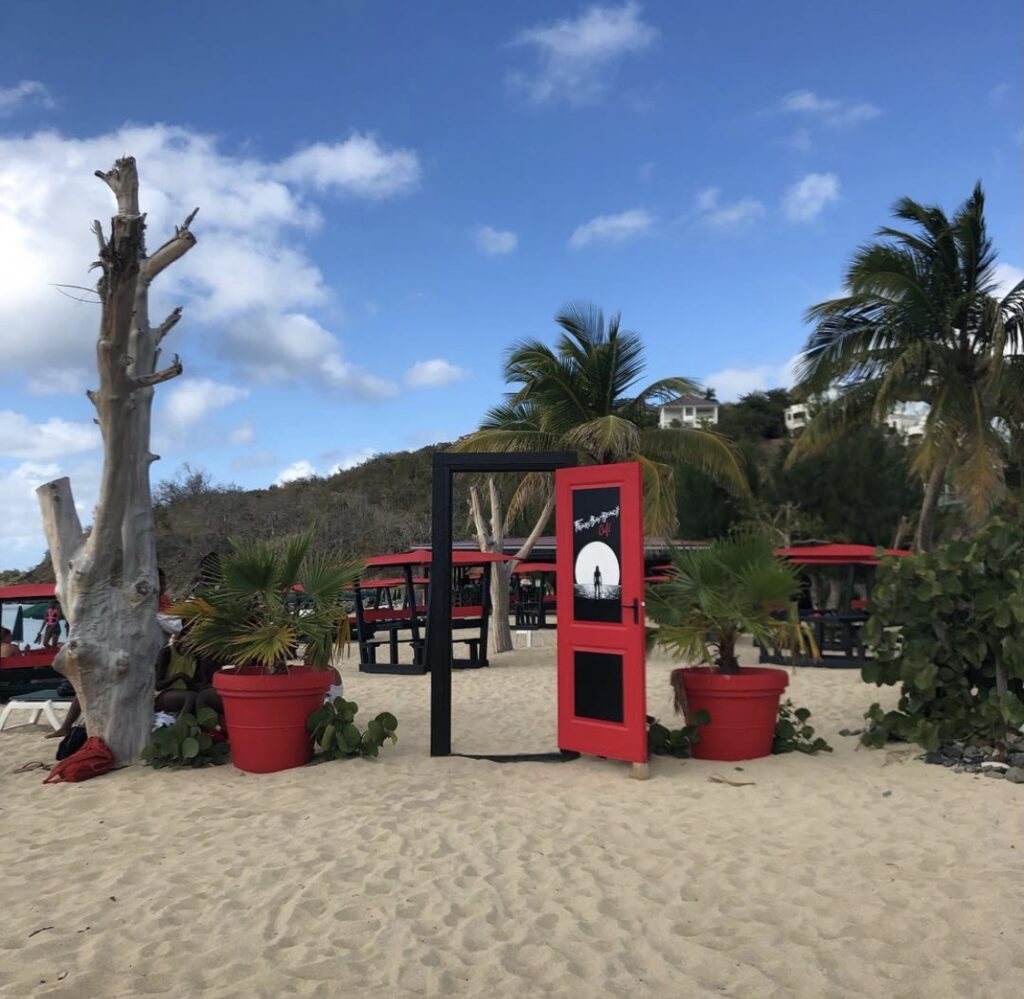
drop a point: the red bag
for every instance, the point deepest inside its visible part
(92, 760)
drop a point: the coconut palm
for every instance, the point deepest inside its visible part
(921, 322)
(582, 396)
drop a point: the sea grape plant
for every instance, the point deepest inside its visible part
(948, 627)
(191, 741)
(337, 736)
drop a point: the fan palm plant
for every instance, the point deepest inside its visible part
(713, 595)
(264, 603)
(921, 322)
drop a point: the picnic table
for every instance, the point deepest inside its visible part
(384, 625)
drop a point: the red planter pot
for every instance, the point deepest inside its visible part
(266, 715)
(743, 707)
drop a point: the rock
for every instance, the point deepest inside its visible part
(934, 758)
(887, 794)
(972, 753)
(999, 774)
(946, 762)
(1015, 759)
(972, 768)
(953, 751)
(994, 765)
(1015, 775)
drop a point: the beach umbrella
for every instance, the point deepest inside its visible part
(37, 612)
(18, 631)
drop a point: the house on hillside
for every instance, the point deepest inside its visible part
(797, 417)
(906, 419)
(687, 411)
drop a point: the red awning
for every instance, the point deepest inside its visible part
(373, 584)
(837, 554)
(28, 591)
(420, 557)
(527, 567)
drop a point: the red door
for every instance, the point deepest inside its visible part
(602, 696)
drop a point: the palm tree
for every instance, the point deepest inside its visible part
(921, 322)
(582, 396)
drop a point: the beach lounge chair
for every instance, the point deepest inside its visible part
(39, 702)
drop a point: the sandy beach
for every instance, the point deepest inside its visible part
(859, 873)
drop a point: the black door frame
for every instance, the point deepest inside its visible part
(439, 613)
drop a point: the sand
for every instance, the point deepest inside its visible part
(860, 873)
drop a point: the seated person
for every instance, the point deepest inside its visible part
(7, 646)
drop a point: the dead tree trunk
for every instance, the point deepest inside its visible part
(493, 540)
(107, 580)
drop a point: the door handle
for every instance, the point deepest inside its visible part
(635, 606)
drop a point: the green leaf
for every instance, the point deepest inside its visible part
(189, 748)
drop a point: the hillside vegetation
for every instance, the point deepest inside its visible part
(858, 491)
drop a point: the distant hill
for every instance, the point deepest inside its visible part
(381, 505)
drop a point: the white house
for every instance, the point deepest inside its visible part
(907, 419)
(687, 411)
(797, 416)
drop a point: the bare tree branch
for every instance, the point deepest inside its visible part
(123, 179)
(97, 228)
(171, 371)
(177, 246)
(62, 527)
(167, 325)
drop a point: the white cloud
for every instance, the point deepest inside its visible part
(1006, 277)
(25, 92)
(187, 403)
(646, 171)
(352, 460)
(576, 57)
(249, 263)
(23, 541)
(297, 470)
(805, 200)
(833, 112)
(433, 373)
(293, 347)
(612, 228)
(731, 215)
(359, 165)
(54, 438)
(731, 383)
(493, 242)
(244, 433)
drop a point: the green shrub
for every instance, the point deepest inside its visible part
(948, 627)
(192, 741)
(677, 742)
(793, 734)
(337, 736)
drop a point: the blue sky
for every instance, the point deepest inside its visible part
(391, 193)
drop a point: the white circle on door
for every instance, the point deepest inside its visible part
(596, 556)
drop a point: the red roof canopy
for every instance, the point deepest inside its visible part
(421, 557)
(376, 584)
(526, 567)
(837, 554)
(28, 591)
